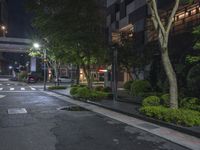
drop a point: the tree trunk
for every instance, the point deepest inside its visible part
(87, 73)
(173, 88)
(56, 74)
(78, 75)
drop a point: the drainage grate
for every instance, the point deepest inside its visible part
(148, 126)
(72, 108)
(14, 111)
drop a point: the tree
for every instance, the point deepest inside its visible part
(76, 26)
(53, 61)
(195, 58)
(162, 29)
(132, 57)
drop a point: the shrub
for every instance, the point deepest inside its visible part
(151, 101)
(147, 94)
(56, 87)
(127, 85)
(23, 75)
(107, 89)
(83, 92)
(139, 87)
(73, 90)
(178, 116)
(165, 98)
(96, 95)
(193, 79)
(99, 88)
(190, 103)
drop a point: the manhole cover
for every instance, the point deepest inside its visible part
(148, 126)
(14, 111)
(72, 108)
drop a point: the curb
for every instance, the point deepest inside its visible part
(142, 117)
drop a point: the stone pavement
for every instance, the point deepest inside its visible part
(121, 115)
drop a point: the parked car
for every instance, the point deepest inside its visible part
(32, 79)
(64, 79)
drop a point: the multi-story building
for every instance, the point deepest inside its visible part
(126, 16)
(132, 19)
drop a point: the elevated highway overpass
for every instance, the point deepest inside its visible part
(15, 45)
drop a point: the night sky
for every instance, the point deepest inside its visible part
(18, 19)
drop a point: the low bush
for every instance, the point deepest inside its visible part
(183, 117)
(107, 89)
(23, 75)
(57, 87)
(87, 94)
(139, 87)
(99, 88)
(147, 94)
(97, 95)
(165, 98)
(151, 101)
(190, 103)
(83, 92)
(127, 85)
(73, 90)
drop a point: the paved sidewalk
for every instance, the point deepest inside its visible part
(132, 109)
(166, 133)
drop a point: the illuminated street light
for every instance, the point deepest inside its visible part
(36, 45)
(3, 27)
(4, 30)
(10, 67)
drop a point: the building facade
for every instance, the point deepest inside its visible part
(132, 19)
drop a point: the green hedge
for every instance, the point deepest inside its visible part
(183, 117)
(151, 101)
(127, 85)
(85, 93)
(73, 90)
(139, 87)
(190, 103)
(57, 87)
(99, 88)
(165, 98)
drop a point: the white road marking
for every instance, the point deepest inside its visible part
(12, 89)
(2, 96)
(1, 89)
(32, 88)
(23, 89)
(8, 84)
(0, 84)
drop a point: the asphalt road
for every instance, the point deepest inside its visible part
(41, 126)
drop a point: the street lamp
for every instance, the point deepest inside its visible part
(10, 70)
(38, 46)
(3, 28)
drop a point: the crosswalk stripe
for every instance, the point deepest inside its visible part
(1, 89)
(22, 89)
(8, 84)
(0, 84)
(12, 89)
(33, 89)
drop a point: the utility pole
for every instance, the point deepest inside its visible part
(45, 69)
(115, 72)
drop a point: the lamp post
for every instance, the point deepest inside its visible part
(38, 46)
(115, 72)
(10, 70)
(3, 28)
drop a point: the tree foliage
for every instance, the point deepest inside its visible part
(74, 27)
